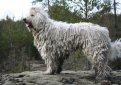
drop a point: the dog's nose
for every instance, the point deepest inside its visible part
(24, 19)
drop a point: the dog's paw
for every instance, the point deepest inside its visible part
(47, 73)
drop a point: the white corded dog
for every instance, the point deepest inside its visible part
(56, 40)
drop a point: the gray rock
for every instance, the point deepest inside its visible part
(65, 78)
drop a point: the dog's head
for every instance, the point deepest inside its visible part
(36, 19)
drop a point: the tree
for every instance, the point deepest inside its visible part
(45, 2)
(84, 7)
(61, 13)
(115, 14)
(106, 6)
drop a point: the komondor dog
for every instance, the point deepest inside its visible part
(56, 40)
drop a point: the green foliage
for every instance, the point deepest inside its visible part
(61, 13)
(16, 45)
(14, 34)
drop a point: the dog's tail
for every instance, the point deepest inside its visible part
(115, 50)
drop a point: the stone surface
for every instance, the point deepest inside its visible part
(65, 78)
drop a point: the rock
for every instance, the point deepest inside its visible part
(65, 78)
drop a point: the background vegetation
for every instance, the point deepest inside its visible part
(16, 43)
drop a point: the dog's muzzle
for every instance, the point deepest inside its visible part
(25, 20)
(29, 24)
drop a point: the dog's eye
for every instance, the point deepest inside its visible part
(32, 15)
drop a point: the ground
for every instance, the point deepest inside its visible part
(65, 78)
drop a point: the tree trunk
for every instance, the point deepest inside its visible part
(48, 3)
(115, 14)
(64, 4)
(115, 18)
(86, 9)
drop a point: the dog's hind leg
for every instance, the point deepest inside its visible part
(101, 66)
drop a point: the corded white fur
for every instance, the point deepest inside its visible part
(115, 50)
(56, 40)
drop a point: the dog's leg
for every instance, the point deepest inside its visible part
(54, 65)
(60, 63)
(50, 67)
(101, 66)
(48, 60)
